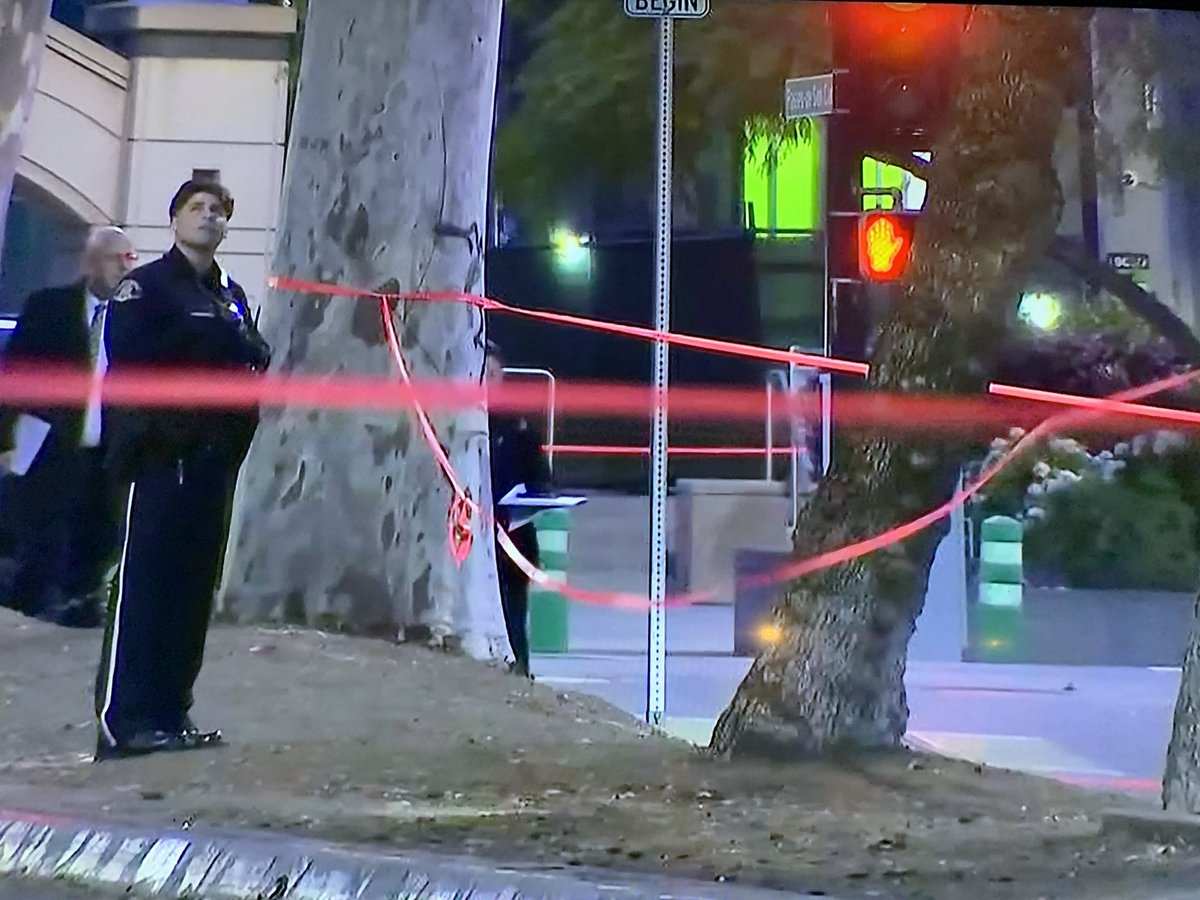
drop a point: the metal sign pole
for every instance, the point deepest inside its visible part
(656, 639)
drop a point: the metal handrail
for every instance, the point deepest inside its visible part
(551, 405)
(825, 386)
(773, 376)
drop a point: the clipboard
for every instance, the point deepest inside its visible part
(524, 507)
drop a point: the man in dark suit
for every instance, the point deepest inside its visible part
(62, 507)
(517, 458)
(177, 468)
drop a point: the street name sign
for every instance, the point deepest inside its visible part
(810, 96)
(667, 9)
(1125, 261)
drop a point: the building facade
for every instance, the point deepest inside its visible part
(158, 93)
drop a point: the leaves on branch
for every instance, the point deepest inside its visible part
(586, 98)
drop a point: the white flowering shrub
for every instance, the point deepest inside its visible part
(1051, 466)
(1121, 518)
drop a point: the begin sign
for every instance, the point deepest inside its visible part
(669, 9)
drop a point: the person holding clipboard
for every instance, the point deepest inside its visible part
(517, 459)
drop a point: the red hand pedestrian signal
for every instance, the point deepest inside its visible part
(884, 245)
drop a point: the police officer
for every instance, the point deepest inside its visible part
(517, 458)
(181, 311)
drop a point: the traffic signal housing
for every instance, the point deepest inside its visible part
(900, 60)
(885, 240)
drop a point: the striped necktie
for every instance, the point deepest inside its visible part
(96, 330)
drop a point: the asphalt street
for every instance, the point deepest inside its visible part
(1106, 727)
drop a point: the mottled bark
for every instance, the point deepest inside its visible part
(22, 45)
(1181, 780)
(836, 679)
(341, 517)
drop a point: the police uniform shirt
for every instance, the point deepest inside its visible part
(167, 315)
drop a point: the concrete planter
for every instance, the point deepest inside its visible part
(1092, 628)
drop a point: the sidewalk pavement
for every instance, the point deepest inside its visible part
(183, 862)
(690, 630)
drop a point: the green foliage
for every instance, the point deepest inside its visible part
(1167, 456)
(1128, 518)
(588, 95)
(1105, 314)
(1135, 532)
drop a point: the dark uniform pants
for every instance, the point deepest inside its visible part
(514, 592)
(65, 524)
(162, 600)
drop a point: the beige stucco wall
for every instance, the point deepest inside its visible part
(111, 138)
(182, 119)
(1134, 217)
(73, 147)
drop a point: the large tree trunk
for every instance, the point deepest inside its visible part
(1181, 780)
(341, 519)
(836, 679)
(22, 45)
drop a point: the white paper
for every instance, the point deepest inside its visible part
(521, 519)
(516, 497)
(517, 490)
(28, 435)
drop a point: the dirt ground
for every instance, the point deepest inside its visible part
(363, 741)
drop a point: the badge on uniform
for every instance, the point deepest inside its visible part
(127, 290)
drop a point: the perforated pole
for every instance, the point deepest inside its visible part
(656, 656)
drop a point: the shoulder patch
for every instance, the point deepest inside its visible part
(127, 290)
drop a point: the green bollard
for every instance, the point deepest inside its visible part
(1001, 588)
(549, 611)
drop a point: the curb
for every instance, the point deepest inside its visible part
(1163, 827)
(248, 866)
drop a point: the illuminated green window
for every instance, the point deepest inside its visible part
(787, 197)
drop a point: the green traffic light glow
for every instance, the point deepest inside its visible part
(572, 253)
(569, 248)
(1041, 310)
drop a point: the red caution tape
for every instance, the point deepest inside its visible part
(1100, 404)
(461, 533)
(198, 388)
(695, 342)
(618, 450)
(908, 529)
(798, 568)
